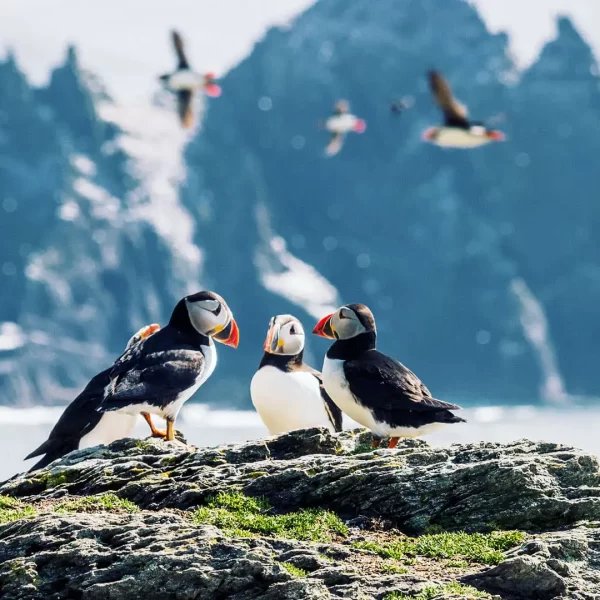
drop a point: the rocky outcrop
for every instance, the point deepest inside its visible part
(304, 515)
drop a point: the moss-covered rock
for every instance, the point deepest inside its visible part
(304, 515)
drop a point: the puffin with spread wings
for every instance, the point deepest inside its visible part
(458, 131)
(341, 122)
(185, 82)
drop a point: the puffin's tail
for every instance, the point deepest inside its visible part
(52, 451)
(44, 462)
(448, 417)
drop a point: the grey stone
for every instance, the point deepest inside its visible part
(159, 552)
(476, 487)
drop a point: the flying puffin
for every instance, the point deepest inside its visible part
(373, 389)
(286, 392)
(402, 105)
(457, 131)
(339, 124)
(81, 425)
(184, 82)
(158, 375)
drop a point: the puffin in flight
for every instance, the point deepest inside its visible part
(158, 375)
(376, 390)
(402, 105)
(286, 392)
(82, 426)
(457, 131)
(184, 82)
(339, 124)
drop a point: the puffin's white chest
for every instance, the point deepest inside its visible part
(112, 426)
(185, 79)
(455, 137)
(288, 401)
(336, 385)
(341, 123)
(210, 362)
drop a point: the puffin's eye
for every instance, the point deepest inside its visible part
(218, 309)
(293, 330)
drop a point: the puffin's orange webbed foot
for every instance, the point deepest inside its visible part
(393, 442)
(156, 433)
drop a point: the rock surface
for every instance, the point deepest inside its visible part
(163, 551)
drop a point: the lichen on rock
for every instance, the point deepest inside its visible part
(308, 514)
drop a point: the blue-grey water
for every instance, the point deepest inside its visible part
(22, 430)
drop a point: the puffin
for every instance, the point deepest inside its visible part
(376, 390)
(163, 371)
(184, 82)
(286, 392)
(457, 131)
(402, 105)
(81, 425)
(339, 124)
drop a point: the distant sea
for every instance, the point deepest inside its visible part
(23, 429)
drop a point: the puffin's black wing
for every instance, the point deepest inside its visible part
(382, 382)
(78, 419)
(184, 108)
(333, 412)
(455, 114)
(182, 62)
(156, 371)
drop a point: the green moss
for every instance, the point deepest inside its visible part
(12, 510)
(242, 516)
(294, 571)
(362, 448)
(390, 566)
(483, 548)
(457, 564)
(103, 502)
(430, 592)
(51, 480)
(256, 474)
(144, 445)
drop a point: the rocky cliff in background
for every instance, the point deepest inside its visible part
(307, 515)
(482, 267)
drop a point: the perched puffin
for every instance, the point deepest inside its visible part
(457, 131)
(287, 393)
(81, 425)
(339, 124)
(185, 82)
(158, 375)
(373, 389)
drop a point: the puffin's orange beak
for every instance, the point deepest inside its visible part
(323, 328)
(231, 335)
(429, 134)
(495, 135)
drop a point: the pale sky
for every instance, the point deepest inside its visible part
(126, 42)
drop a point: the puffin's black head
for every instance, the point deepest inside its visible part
(209, 315)
(285, 336)
(346, 322)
